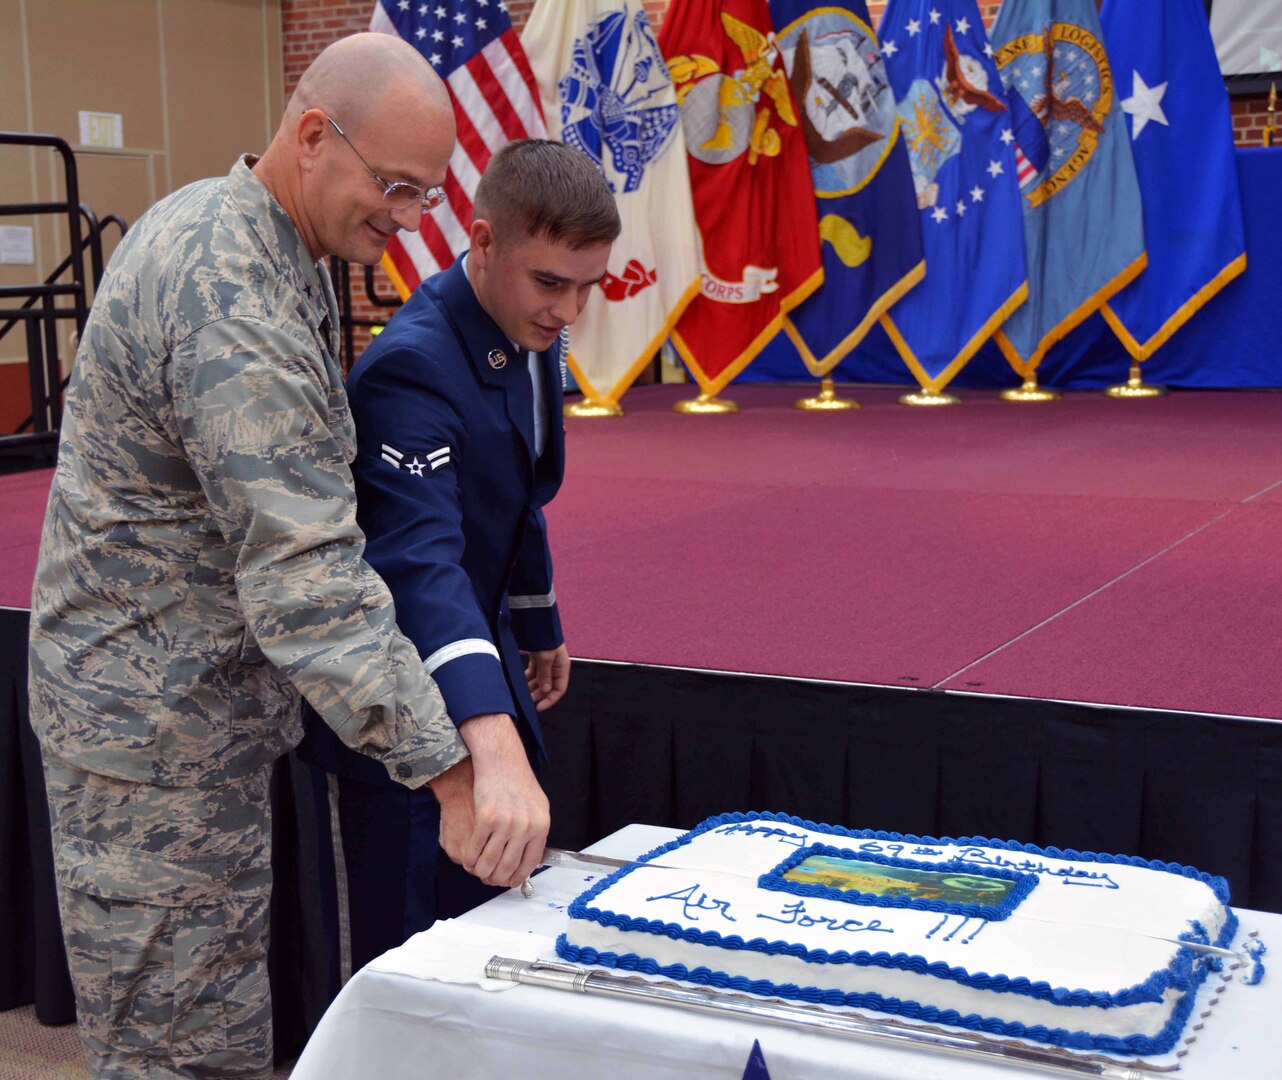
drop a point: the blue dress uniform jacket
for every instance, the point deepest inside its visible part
(449, 495)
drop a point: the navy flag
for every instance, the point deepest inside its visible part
(871, 242)
(958, 127)
(1083, 231)
(1180, 127)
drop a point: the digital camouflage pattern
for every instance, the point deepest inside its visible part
(201, 562)
(164, 894)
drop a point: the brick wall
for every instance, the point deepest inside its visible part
(310, 25)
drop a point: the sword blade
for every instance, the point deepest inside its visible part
(579, 860)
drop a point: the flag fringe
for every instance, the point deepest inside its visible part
(1070, 322)
(1141, 352)
(820, 368)
(712, 387)
(934, 384)
(647, 354)
(394, 275)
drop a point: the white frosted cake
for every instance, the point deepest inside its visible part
(1065, 947)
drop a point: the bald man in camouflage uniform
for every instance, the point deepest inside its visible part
(201, 566)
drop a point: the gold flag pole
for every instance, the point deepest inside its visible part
(1030, 391)
(1271, 126)
(587, 407)
(826, 400)
(1135, 387)
(705, 405)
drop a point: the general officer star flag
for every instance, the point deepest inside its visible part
(750, 179)
(605, 89)
(473, 47)
(1083, 233)
(1182, 137)
(956, 124)
(872, 253)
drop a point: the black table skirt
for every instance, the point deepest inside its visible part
(671, 747)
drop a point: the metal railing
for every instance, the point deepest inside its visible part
(43, 305)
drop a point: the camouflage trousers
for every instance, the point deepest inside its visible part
(164, 897)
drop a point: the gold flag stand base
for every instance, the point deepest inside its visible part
(826, 400)
(592, 408)
(1135, 387)
(705, 405)
(1030, 391)
(928, 398)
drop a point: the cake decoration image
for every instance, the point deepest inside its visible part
(872, 879)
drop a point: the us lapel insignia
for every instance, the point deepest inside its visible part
(497, 359)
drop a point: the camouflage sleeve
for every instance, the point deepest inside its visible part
(268, 434)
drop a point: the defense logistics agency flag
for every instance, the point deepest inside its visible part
(606, 90)
(750, 180)
(1083, 233)
(1182, 138)
(473, 47)
(957, 126)
(871, 241)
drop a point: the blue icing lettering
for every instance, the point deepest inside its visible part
(796, 915)
(784, 836)
(689, 905)
(1068, 875)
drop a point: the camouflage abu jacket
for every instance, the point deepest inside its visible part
(201, 563)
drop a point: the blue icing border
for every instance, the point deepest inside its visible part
(1024, 883)
(1186, 974)
(1140, 1045)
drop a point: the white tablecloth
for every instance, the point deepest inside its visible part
(397, 1019)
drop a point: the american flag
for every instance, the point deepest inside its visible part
(1025, 170)
(473, 47)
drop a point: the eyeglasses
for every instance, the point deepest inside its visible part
(398, 195)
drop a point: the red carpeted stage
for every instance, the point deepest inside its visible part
(1091, 550)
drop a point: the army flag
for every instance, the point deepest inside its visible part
(1173, 94)
(956, 124)
(605, 89)
(867, 213)
(473, 47)
(1083, 233)
(750, 179)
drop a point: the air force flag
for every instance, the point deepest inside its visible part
(1182, 138)
(1083, 232)
(606, 90)
(957, 125)
(863, 187)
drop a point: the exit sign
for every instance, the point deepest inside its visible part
(101, 129)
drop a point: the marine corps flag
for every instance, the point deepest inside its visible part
(1182, 138)
(871, 242)
(750, 180)
(956, 123)
(606, 90)
(1083, 233)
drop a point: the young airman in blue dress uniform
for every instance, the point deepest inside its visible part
(457, 407)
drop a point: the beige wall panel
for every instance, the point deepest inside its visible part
(15, 163)
(13, 80)
(109, 184)
(272, 19)
(223, 72)
(116, 184)
(100, 55)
